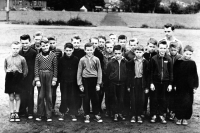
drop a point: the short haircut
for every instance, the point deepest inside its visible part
(173, 45)
(169, 25)
(52, 38)
(162, 42)
(25, 37)
(39, 33)
(44, 40)
(122, 37)
(188, 48)
(15, 43)
(76, 37)
(139, 48)
(68, 45)
(102, 37)
(112, 34)
(88, 45)
(107, 42)
(96, 38)
(152, 41)
(134, 40)
(117, 47)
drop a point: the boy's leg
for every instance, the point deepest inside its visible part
(41, 94)
(133, 101)
(127, 103)
(18, 101)
(24, 99)
(31, 101)
(107, 98)
(11, 102)
(63, 104)
(86, 98)
(101, 96)
(153, 101)
(48, 97)
(139, 95)
(120, 98)
(113, 98)
(54, 90)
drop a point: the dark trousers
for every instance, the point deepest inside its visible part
(54, 95)
(127, 103)
(107, 97)
(90, 92)
(146, 99)
(170, 100)
(117, 97)
(137, 98)
(158, 104)
(45, 94)
(69, 97)
(101, 96)
(27, 101)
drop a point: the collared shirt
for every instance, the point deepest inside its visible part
(16, 63)
(138, 68)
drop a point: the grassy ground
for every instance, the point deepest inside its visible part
(11, 33)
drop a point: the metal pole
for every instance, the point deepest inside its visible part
(7, 11)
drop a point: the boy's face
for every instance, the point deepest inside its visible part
(53, 43)
(37, 39)
(89, 50)
(102, 42)
(118, 54)
(151, 47)
(15, 49)
(113, 38)
(162, 49)
(187, 54)
(109, 48)
(122, 42)
(133, 44)
(139, 53)
(168, 32)
(95, 42)
(76, 43)
(173, 51)
(25, 44)
(45, 46)
(69, 51)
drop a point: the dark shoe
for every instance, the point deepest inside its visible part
(139, 120)
(73, 118)
(121, 117)
(178, 122)
(87, 119)
(133, 119)
(49, 119)
(61, 117)
(17, 119)
(39, 118)
(98, 118)
(172, 116)
(30, 117)
(163, 121)
(12, 117)
(184, 122)
(115, 117)
(153, 119)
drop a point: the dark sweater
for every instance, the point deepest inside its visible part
(67, 69)
(79, 53)
(148, 56)
(99, 55)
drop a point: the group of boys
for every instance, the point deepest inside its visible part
(125, 74)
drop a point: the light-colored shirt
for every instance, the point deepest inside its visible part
(138, 68)
(16, 63)
(89, 67)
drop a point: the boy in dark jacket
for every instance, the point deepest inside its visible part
(117, 76)
(138, 83)
(161, 82)
(67, 72)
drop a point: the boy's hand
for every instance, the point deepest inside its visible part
(97, 87)
(152, 87)
(146, 91)
(169, 89)
(53, 83)
(81, 88)
(38, 84)
(128, 89)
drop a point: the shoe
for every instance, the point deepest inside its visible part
(30, 117)
(115, 117)
(17, 119)
(49, 119)
(61, 117)
(74, 118)
(87, 119)
(12, 117)
(184, 122)
(39, 118)
(98, 118)
(153, 119)
(133, 119)
(178, 122)
(163, 121)
(171, 117)
(121, 117)
(139, 120)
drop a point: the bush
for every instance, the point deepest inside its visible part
(144, 26)
(179, 26)
(50, 22)
(77, 21)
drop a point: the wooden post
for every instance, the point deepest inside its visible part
(7, 11)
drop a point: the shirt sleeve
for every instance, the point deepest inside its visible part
(79, 73)
(24, 67)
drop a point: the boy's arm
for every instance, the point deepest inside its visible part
(24, 67)
(193, 78)
(79, 73)
(55, 68)
(152, 70)
(99, 73)
(170, 68)
(5, 65)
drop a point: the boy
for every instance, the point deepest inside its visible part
(151, 46)
(186, 82)
(45, 78)
(89, 78)
(16, 68)
(161, 82)
(36, 41)
(113, 38)
(117, 75)
(108, 55)
(122, 40)
(129, 55)
(169, 37)
(67, 72)
(102, 41)
(27, 95)
(138, 83)
(58, 52)
(174, 55)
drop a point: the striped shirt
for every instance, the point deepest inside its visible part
(48, 62)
